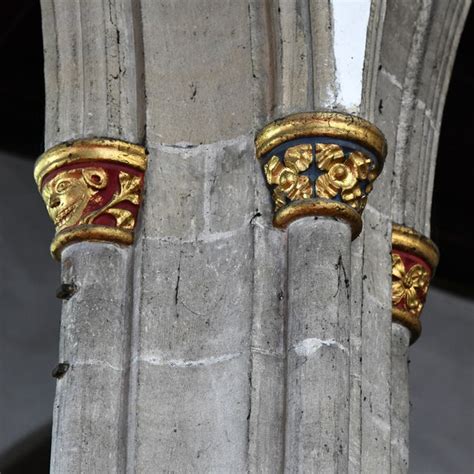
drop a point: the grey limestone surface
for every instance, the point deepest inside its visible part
(93, 59)
(370, 346)
(440, 371)
(418, 48)
(216, 317)
(89, 422)
(198, 70)
(268, 347)
(317, 417)
(94, 88)
(189, 393)
(400, 399)
(417, 53)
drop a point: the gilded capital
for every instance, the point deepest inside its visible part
(320, 164)
(92, 190)
(414, 261)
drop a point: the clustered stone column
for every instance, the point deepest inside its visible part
(92, 189)
(320, 168)
(414, 261)
(217, 343)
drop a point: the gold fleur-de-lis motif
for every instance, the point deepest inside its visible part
(409, 287)
(343, 175)
(289, 183)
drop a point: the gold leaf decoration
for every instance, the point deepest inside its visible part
(124, 218)
(343, 175)
(129, 187)
(349, 177)
(289, 183)
(409, 287)
(69, 192)
(129, 191)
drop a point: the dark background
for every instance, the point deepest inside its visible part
(441, 372)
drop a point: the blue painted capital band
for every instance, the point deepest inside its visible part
(320, 164)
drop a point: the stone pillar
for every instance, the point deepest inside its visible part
(191, 361)
(227, 335)
(320, 168)
(418, 46)
(92, 191)
(94, 89)
(414, 261)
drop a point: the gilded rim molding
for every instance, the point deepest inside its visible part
(320, 164)
(84, 150)
(414, 261)
(412, 323)
(410, 241)
(92, 189)
(89, 233)
(322, 124)
(318, 208)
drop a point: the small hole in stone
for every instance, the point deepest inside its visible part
(59, 371)
(65, 291)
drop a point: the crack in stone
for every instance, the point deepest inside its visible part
(310, 346)
(176, 289)
(182, 363)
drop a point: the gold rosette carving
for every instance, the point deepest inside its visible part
(410, 286)
(320, 164)
(414, 260)
(344, 175)
(289, 183)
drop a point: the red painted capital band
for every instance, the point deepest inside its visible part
(92, 190)
(414, 260)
